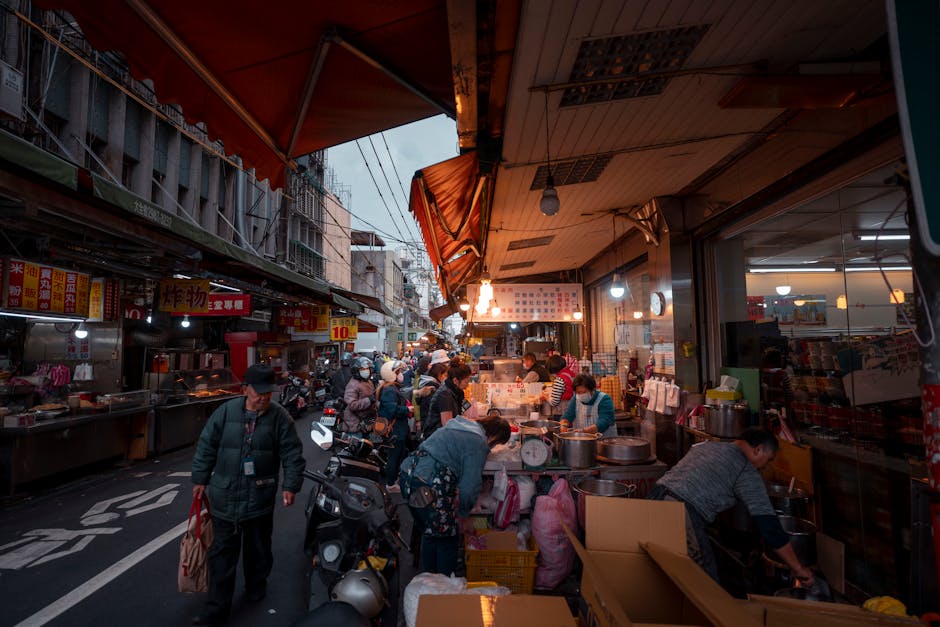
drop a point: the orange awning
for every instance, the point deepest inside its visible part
(279, 80)
(447, 200)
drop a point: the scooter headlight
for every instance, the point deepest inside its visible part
(330, 552)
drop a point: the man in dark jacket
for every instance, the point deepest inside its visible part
(238, 457)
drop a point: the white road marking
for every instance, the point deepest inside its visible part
(140, 500)
(45, 541)
(166, 499)
(106, 576)
(102, 506)
(180, 474)
(81, 544)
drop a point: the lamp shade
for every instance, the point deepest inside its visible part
(549, 203)
(783, 290)
(464, 305)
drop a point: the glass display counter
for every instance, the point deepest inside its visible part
(181, 386)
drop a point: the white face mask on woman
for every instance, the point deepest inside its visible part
(584, 398)
(364, 374)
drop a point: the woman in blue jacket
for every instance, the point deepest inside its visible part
(441, 482)
(393, 408)
(590, 410)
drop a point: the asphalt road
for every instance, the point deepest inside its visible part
(104, 550)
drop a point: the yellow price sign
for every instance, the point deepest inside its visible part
(344, 329)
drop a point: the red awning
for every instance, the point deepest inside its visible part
(447, 200)
(279, 80)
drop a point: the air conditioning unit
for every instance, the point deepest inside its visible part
(259, 315)
(11, 91)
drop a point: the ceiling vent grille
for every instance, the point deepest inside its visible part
(586, 170)
(516, 266)
(519, 244)
(626, 56)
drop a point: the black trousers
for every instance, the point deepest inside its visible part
(254, 537)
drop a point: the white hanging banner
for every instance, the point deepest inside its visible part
(528, 302)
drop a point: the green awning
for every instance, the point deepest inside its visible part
(35, 159)
(348, 304)
(136, 205)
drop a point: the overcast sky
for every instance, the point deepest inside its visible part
(410, 148)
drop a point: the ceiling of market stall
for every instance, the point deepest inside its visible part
(671, 135)
(835, 230)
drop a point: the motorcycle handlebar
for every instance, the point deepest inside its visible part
(394, 539)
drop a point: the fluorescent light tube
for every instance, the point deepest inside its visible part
(40, 317)
(875, 268)
(761, 270)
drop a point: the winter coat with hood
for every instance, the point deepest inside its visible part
(360, 404)
(448, 397)
(460, 445)
(426, 387)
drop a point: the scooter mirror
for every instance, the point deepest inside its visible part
(321, 436)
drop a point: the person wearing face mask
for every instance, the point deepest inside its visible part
(359, 398)
(441, 482)
(427, 385)
(592, 411)
(393, 418)
(449, 399)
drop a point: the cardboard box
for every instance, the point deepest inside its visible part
(636, 570)
(783, 612)
(515, 610)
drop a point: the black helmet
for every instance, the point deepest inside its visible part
(361, 363)
(344, 361)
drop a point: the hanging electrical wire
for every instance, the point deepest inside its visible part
(379, 190)
(391, 191)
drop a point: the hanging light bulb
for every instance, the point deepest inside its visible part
(549, 203)
(464, 305)
(149, 317)
(617, 288)
(896, 297)
(185, 322)
(842, 302)
(578, 314)
(80, 331)
(495, 309)
(783, 290)
(513, 325)
(799, 302)
(637, 315)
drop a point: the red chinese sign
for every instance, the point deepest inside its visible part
(224, 305)
(304, 319)
(45, 289)
(185, 296)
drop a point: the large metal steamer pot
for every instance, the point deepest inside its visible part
(802, 537)
(599, 487)
(623, 450)
(577, 449)
(726, 421)
(551, 428)
(788, 503)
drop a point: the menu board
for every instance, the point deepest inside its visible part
(45, 289)
(184, 296)
(529, 302)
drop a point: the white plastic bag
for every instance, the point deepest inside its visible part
(526, 492)
(500, 483)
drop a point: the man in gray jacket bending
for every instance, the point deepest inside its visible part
(239, 455)
(711, 478)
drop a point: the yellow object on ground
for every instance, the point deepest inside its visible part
(481, 584)
(886, 605)
(378, 563)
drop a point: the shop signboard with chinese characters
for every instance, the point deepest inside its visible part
(342, 329)
(224, 305)
(305, 319)
(184, 296)
(45, 289)
(529, 302)
(103, 300)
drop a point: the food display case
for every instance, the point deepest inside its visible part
(123, 400)
(184, 401)
(182, 386)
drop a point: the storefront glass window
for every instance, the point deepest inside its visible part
(620, 328)
(816, 318)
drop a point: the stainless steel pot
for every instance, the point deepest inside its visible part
(802, 537)
(577, 449)
(550, 426)
(787, 503)
(726, 421)
(623, 450)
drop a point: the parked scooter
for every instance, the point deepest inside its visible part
(294, 396)
(352, 530)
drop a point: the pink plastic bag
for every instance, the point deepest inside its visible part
(556, 555)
